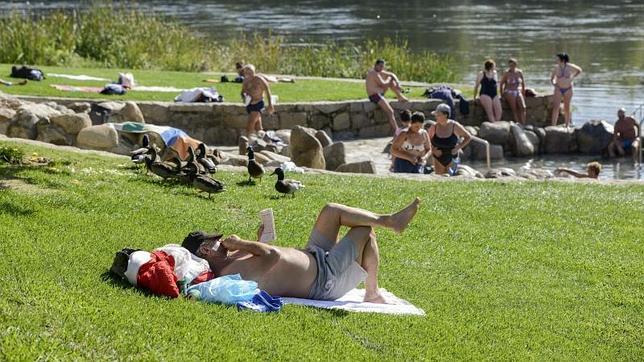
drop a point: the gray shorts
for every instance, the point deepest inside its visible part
(338, 271)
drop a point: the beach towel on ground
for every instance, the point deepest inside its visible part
(75, 88)
(76, 77)
(352, 302)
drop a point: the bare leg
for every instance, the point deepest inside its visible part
(556, 106)
(389, 113)
(636, 149)
(439, 169)
(567, 99)
(512, 101)
(253, 118)
(398, 91)
(333, 216)
(258, 123)
(369, 259)
(611, 149)
(521, 109)
(486, 102)
(497, 108)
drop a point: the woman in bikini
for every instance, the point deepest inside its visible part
(444, 137)
(561, 77)
(513, 91)
(489, 97)
(411, 147)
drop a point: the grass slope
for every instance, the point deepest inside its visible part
(521, 270)
(302, 91)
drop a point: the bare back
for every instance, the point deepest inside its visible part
(291, 276)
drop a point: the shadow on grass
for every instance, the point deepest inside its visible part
(116, 281)
(245, 183)
(13, 209)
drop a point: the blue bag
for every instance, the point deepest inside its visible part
(228, 289)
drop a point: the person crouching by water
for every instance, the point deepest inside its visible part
(253, 89)
(444, 137)
(411, 147)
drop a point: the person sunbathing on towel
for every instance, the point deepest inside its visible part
(326, 269)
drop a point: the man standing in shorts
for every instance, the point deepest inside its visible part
(378, 82)
(326, 269)
(253, 90)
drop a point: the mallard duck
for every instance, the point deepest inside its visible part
(138, 155)
(206, 162)
(286, 186)
(207, 184)
(193, 158)
(161, 169)
(255, 170)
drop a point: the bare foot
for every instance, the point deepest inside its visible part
(375, 298)
(400, 220)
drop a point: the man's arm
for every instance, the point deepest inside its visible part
(574, 173)
(267, 89)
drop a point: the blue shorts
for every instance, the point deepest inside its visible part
(627, 144)
(403, 166)
(257, 107)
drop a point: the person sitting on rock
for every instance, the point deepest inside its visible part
(378, 82)
(625, 136)
(592, 171)
(326, 269)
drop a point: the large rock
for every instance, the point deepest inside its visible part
(559, 140)
(479, 151)
(594, 136)
(306, 150)
(284, 135)
(129, 113)
(358, 167)
(534, 139)
(24, 122)
(535, 173)
(334, 155)
(522, 146)
(234, 160)
(72, 123)
(6, 116)
(275, 156)
(101, 137)
(80, 107)
(497, 133)
(541, 133)
(324, 138)
(51, 133)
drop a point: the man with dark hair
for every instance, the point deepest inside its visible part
(378, 82)
(326, 269)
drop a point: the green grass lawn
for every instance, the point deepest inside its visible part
(505, 271)
(301, 91)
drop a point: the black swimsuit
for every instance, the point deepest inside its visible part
(488, 86)
(446, 145)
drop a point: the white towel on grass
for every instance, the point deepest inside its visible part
(352, 302)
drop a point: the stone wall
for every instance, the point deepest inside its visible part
(222, 123)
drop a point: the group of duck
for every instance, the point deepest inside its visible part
(198, 168)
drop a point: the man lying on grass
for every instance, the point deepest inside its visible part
(326, 269)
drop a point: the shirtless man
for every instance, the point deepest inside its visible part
(625, 136)
(377, 86)
(254, 87)
(325, 270)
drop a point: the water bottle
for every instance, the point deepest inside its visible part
(455, 162)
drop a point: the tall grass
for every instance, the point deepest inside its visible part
(116, 36)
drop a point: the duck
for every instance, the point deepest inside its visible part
(255, 169)
(193, 158)
(286, 186)
(160, 169)
(204, 183)
(138, 155)
(206, 162)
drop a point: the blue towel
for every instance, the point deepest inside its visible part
(171, 135)
(262, 302)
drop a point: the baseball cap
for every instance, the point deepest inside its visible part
(443, 108)
(193, 241)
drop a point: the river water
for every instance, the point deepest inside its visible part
(605, 38)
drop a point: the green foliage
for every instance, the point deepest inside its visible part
(116, 36)
(504, 270)
(11, 154)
